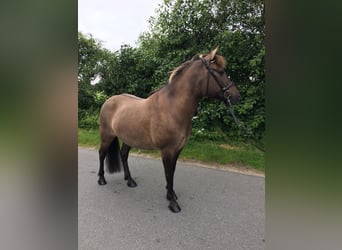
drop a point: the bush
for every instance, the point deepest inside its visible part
(88, 119)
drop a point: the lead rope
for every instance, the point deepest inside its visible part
(240, 125)
(224, 89)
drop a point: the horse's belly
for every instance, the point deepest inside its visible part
(136, 138)
(138, 143)
(132, 126)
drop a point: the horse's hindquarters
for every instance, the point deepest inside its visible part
(128, 118)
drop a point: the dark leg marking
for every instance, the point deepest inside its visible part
(102, 154)
(124, 157)
(169, 162)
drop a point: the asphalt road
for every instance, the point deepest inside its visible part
(220, 209)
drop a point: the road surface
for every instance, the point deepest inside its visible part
(220, 209)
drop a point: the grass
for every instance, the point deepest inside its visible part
(205, 151)
(88, 138)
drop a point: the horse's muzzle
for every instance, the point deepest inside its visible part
(236, 98)
(232, 99)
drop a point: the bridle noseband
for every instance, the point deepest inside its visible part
(225, 89)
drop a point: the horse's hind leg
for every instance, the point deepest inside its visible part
(102, 154)
(124, 157)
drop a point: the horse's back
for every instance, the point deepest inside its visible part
(118, 104)
(133, 96)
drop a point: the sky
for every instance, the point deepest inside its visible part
(115, 22)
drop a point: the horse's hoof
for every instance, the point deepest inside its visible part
(131, 183)
(174, 207)
(102, 181)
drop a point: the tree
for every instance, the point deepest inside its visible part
(89, 61)
(181, 29)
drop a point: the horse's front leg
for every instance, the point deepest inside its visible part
(169, 162)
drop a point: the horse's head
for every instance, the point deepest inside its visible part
(218, 84)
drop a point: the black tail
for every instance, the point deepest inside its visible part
(113, 159)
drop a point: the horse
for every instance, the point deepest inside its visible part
(162, 121)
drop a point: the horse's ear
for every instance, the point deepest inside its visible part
(213, 53)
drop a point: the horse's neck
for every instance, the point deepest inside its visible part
(184, 95)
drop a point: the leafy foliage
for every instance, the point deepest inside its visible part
(181, 29)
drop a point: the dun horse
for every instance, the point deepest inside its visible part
(163, 121)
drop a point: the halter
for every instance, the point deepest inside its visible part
(226, 94)
(225, 89)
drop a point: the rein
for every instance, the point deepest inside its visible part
(241, 126)
(226, 94)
